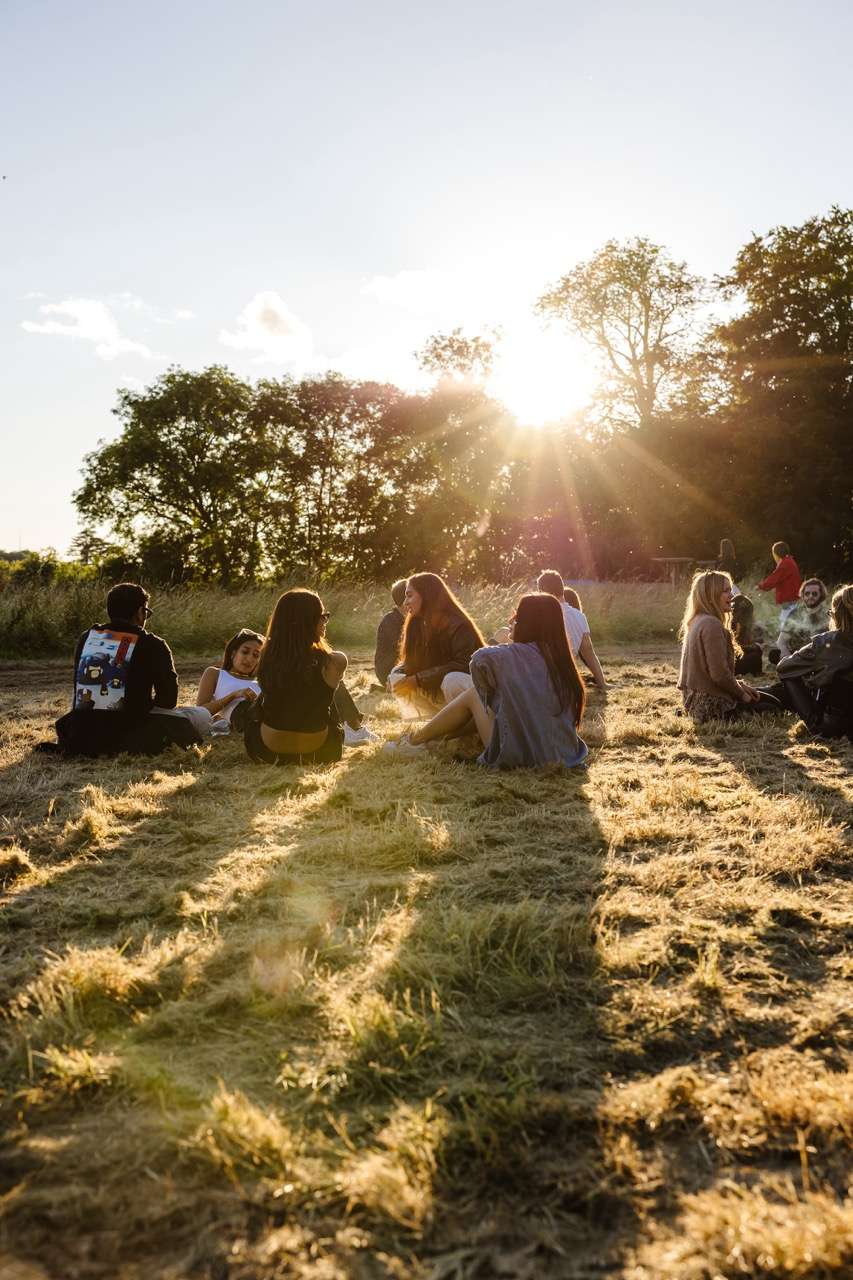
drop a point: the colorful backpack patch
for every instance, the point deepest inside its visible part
(102, 669)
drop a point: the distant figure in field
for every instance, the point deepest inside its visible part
(435, 647)
(294, 721)
(785, 580)
(125, 686)
(526, 699)
(388, 634)
(747, 637)
(577, 627)
(809, 618)
(707, 676)
(727, 561)
(817, 681)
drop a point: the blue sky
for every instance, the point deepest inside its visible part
(288, 188)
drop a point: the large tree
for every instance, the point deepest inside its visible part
(787, 357)
(636, 307)
(189, 464)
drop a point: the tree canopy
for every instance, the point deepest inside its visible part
(739, 427)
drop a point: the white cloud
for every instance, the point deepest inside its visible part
(91, 320)
(132, 302)
(418, 292)
(268, 327)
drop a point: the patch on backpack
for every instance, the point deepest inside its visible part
(102, 669)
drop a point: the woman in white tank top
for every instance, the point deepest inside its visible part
(222, 688)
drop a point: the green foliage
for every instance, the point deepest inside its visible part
(635, 305)
(740, 431)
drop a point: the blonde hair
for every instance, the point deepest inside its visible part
(841, 610)
(704, 598)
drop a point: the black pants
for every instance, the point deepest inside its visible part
(347, 711)
(108, 733)
(827, 711)
(259, 753)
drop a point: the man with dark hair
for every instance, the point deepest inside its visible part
(121, 674)
(388, 634)
(577, 627)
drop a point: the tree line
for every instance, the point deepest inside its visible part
(731, 422)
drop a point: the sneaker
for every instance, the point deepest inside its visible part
(404, 749)
(358, 737)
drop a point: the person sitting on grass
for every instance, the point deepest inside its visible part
(526, 698)
(125, 686)
(817, 681)
(435, 648)
(388, 634)
(808, 619)
(294, 721)
(577, 627)
(228, 691)
(747, 637)
(221, 689)
(707, 675)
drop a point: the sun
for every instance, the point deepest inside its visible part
(541, 377)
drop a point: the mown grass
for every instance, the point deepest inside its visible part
(408, 1019)
(37, 621)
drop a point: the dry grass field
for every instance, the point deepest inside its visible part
(411, 1020)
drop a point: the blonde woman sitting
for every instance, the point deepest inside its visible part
(707, 677)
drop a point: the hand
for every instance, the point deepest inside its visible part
(248, 694)
(748, 694)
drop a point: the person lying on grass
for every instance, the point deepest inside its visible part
(435, 648)
(294, 721)
(817, 681)
(526, 698)
(707, 676)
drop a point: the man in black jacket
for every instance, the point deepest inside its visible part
(121, 674)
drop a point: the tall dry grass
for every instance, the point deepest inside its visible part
(413, 1020)
(40, 621)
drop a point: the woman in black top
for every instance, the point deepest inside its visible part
(436, 645)
(294, 721)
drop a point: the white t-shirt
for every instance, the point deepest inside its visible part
(576, 626)
(228, 683)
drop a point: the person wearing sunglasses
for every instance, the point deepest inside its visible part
(295, 720)
(125, 683)
(810, 618)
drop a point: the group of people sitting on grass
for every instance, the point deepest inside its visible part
(813, 652)
(285, 693)
(520, 692)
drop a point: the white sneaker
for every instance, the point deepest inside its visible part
(404, 749)
(358, 737)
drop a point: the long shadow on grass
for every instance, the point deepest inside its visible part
(442, 1040)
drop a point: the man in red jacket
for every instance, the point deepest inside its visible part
(786, 579)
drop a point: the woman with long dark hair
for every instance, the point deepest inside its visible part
(222, 688)
(435, 648)
(526, 699)
(294, 720)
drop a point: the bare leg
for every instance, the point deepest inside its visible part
(465, 705)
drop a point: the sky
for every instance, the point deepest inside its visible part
(288, 188)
